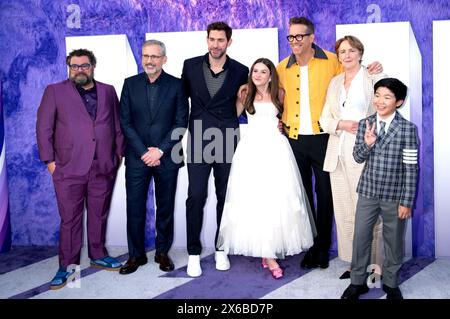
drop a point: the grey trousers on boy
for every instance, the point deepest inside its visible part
(367, 212)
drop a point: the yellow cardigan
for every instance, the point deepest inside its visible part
(321, 69)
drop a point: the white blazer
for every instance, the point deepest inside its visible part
(331, 116)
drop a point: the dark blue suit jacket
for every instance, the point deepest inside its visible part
(217, 112)
(143, 130)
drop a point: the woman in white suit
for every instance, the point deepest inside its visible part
(349, 99)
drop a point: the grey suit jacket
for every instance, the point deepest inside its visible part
(390, 171)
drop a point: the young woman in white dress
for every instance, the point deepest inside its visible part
(266, 212)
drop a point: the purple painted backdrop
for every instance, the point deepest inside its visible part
(33, 51)
(5, 226)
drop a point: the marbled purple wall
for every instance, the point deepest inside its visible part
(33, 51)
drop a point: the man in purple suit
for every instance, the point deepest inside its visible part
(80, 140)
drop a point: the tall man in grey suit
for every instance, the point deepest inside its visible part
(388, 144)
(153, 115)
(80, 140)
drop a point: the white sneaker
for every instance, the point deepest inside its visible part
(222, 261)
(193, 268)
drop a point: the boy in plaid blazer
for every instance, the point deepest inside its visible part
(388, 144)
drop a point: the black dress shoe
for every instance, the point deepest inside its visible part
(392, 293)
(164, 261)
(309, 261)
(132, 265)
(323, 259)
(354, 291)
(345, 275)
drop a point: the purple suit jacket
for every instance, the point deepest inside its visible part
(67, 134)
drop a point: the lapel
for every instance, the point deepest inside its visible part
(336, 108)
(203, 88)
(368, 91)
(163, 90)
(76, 98)
(101, 96)
(392, 131)
(372, 119)
(140, 94)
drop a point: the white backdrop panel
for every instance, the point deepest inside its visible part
(441, 112)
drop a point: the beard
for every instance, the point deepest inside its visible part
(82, 79)
(154, 71)
(221, 54)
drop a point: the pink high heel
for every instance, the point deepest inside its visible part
(277, 272)
(264, 263)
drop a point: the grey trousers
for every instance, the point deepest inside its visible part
(367, 212)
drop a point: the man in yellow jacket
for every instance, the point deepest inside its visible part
(304, 76)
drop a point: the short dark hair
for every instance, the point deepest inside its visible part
(302, 20)
(82, 52)
(395, 86)
(220, 26)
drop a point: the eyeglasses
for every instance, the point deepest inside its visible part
(151, 57)
(84, 66)
(298, 37)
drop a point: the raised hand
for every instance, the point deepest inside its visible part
(242, 93)
(375, 68)
(241, 96)
(370, 137)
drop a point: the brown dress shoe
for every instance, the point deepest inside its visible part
(164, 261)
(132, 265)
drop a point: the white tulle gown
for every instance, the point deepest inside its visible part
(266, 212)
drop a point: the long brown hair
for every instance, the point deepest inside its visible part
(273, 88)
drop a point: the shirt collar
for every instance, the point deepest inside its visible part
(225, 66)
(158, 79)
(388, 121)
(318, 54)
(83, 91)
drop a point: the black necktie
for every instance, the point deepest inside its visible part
(382, 132)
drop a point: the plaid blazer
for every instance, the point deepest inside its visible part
(391, 169)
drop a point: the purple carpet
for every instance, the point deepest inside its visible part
(245, 280)
(21, 256)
